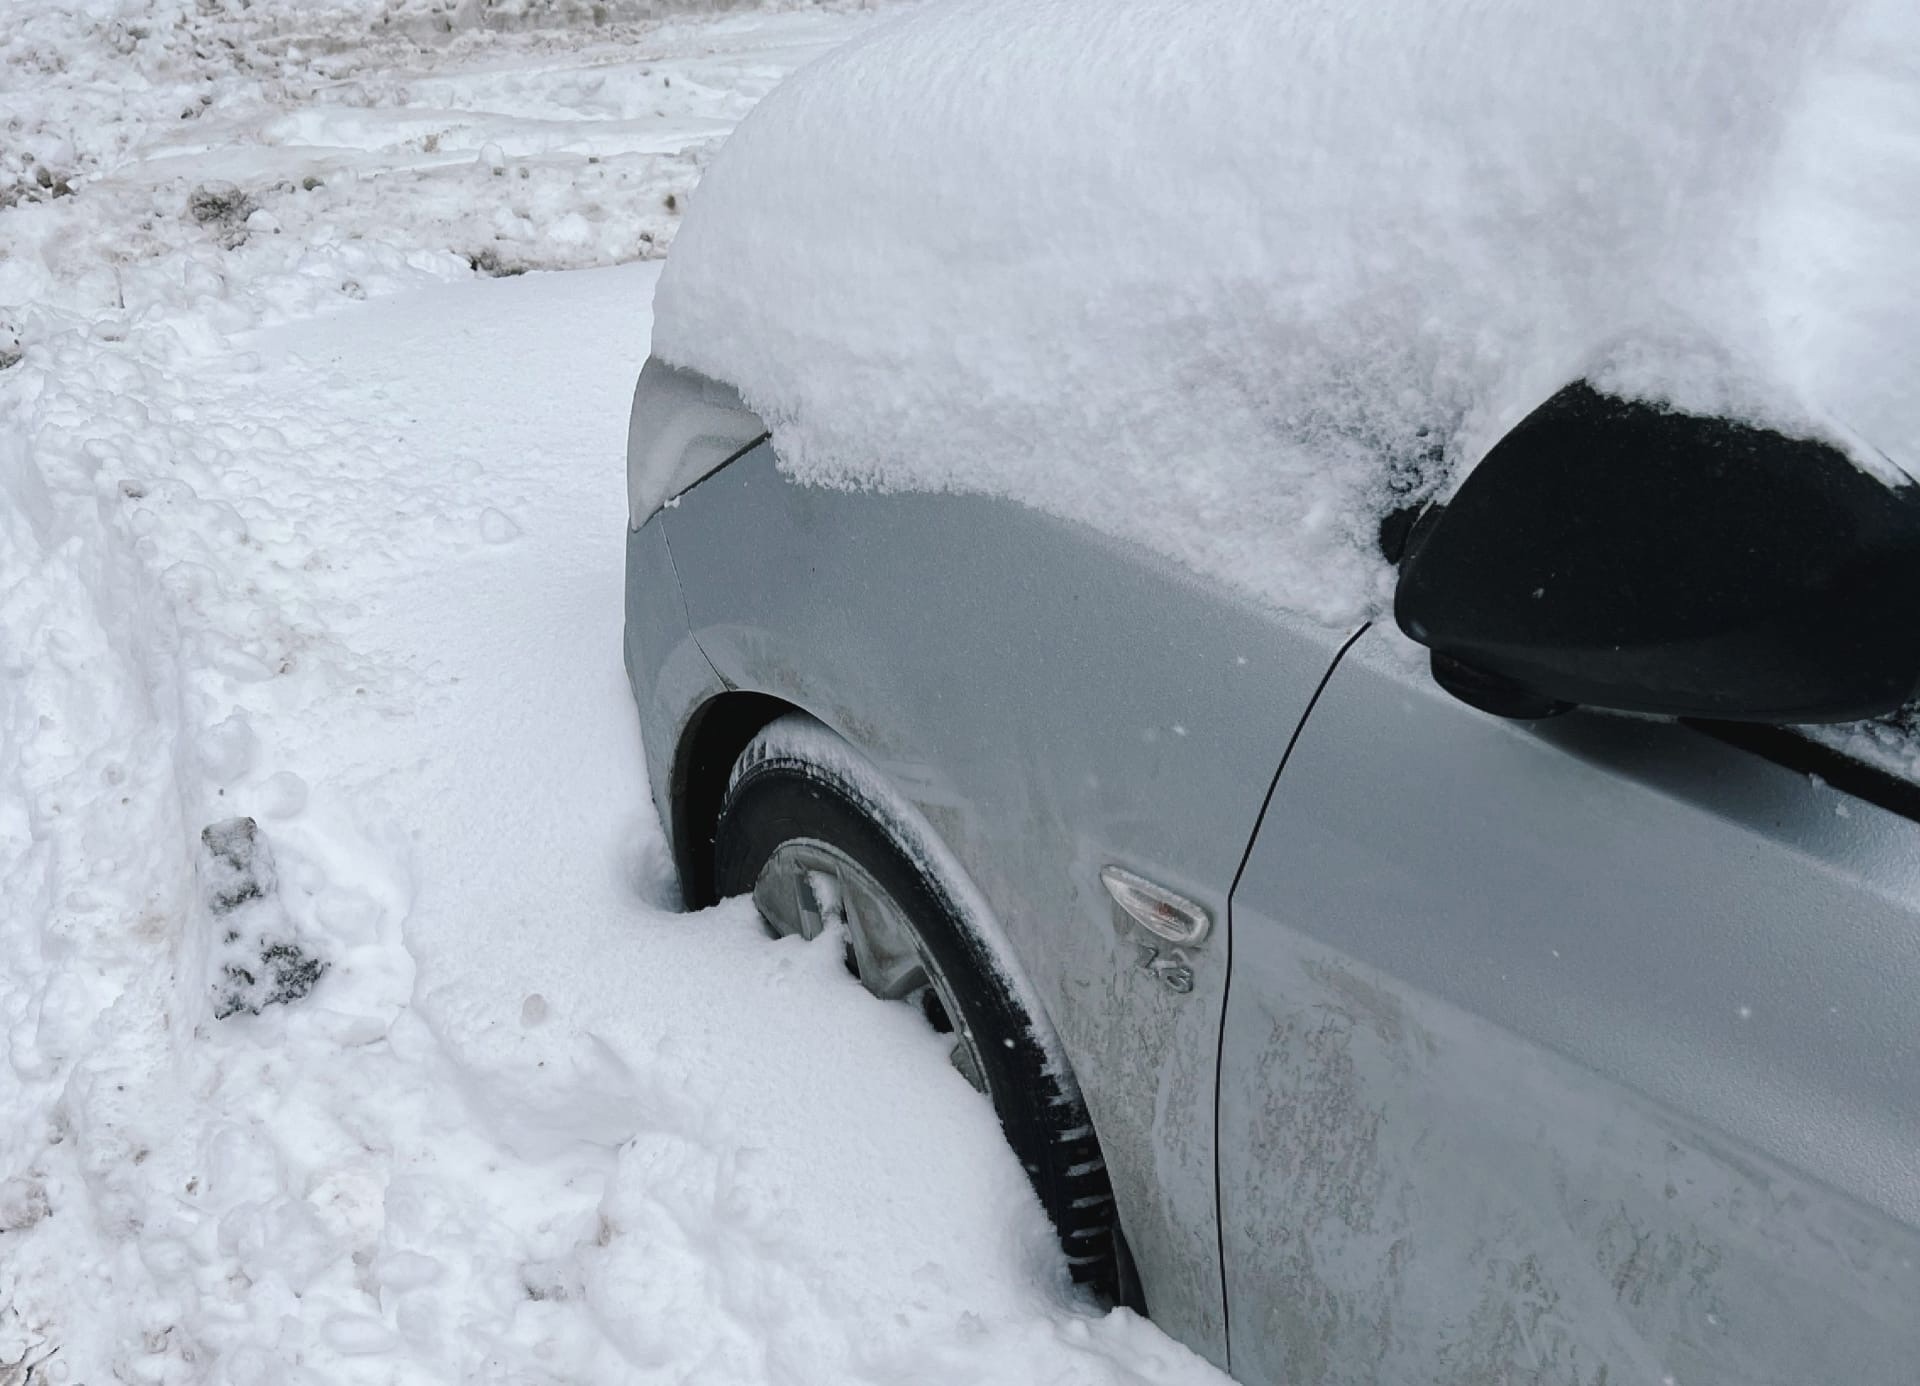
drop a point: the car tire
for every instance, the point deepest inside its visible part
(812, 832)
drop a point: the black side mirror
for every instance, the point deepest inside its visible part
(1614, 554)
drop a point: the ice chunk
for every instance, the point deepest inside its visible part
(260, 961)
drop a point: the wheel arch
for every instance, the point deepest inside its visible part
(714, 738)
(710, 742)
(796, 736)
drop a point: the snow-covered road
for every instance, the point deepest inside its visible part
(318, 528)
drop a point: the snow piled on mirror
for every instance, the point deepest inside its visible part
(1234, 281)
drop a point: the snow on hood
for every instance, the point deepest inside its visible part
(1233, 280)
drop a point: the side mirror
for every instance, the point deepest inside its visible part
(1616, 555)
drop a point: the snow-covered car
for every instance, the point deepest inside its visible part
(1515, 989)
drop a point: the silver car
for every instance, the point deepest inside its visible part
(1369, 1005)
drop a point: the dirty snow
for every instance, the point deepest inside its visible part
(1231, 280)
(310, 596)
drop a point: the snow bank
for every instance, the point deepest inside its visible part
(1232, 280)
(301, 156)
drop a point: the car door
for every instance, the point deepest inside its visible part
(1054, 702)
(1581, 1051)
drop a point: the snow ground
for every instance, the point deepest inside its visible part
(319, 527)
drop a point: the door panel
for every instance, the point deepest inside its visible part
(1052, 701)
(1579, 1052)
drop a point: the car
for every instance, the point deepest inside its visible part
(1354, 1031)
(1514, 987)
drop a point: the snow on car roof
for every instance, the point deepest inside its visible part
(1233, 280)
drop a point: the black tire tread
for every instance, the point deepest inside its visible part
(776, 791)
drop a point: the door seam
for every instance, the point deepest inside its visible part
(1226, 990)
(686, 610)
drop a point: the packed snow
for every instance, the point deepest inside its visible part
(351, 1033)
(1232, 280)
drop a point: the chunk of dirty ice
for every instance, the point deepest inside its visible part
(259, 960)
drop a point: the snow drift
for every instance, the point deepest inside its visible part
(1233, 280)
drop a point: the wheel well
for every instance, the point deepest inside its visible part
(711, 744)
(713, 740)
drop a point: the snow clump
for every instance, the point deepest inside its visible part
(1233, 281)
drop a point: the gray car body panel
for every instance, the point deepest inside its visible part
(1051, 702)
(1576, 1052)
(671, 678)
(682, 426)
(1580, 1051)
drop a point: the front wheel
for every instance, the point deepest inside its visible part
(810, 830)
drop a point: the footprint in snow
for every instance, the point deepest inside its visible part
(496, 527)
